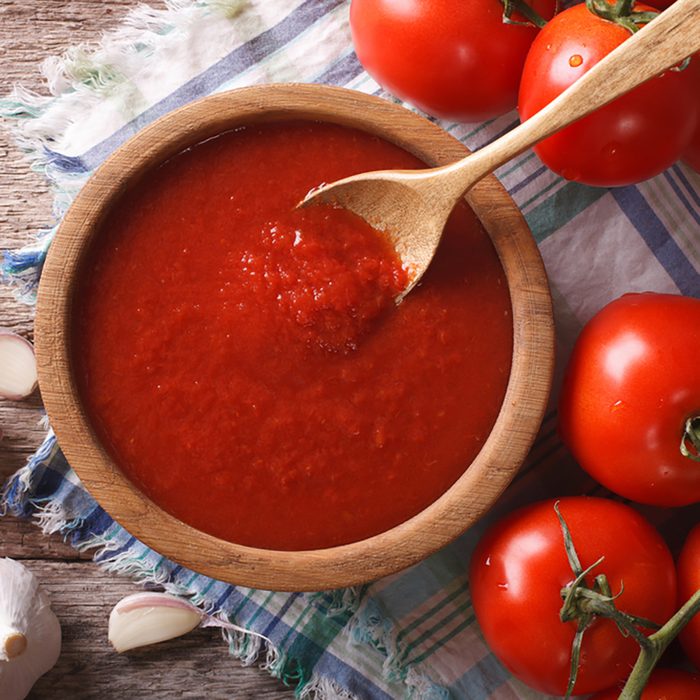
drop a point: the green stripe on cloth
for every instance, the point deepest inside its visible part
(556, 211)
(442, 641)
(316, 636)
(453, 612)
(433, 609)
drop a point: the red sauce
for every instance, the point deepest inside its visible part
(245, 364)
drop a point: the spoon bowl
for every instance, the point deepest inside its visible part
(399, 204)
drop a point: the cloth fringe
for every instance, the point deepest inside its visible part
(340, 601)
(370, 626)
(319, 688)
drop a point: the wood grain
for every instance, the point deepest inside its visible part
(473, 493)
(197, 666)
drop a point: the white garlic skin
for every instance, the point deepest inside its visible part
(18, 371)
(148, 618)
(30, 634)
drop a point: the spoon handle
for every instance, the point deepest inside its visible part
(666, 41)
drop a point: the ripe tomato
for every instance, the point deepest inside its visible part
(450, 58)
(632, 381)
(664, 684)
(688, 583)
(633, 138)
(520, 567)
(691, 154)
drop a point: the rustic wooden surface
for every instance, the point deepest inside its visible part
(196, 666)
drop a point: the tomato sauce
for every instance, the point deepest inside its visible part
(245, 364)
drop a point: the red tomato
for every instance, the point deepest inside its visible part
(688, 583)
(664, 684)
(633, 138)
(520, 567)
(450, 58)
(691, 155)
(632, 381)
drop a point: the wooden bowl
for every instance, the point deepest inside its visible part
(468, 499)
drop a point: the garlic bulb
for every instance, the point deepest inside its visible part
(148, 618)
(30, 634)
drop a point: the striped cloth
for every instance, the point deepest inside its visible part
(412, 634)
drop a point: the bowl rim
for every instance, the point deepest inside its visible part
(407, 543)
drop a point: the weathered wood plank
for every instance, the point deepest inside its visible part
(195, 666)
(22, 539)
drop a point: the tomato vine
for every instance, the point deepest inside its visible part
(584, 603)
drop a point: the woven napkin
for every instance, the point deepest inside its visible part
(412, 634)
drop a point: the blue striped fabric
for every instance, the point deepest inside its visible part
(414, 633)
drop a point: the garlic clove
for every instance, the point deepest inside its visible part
(30, 634)
(149, 618)
(18, 373)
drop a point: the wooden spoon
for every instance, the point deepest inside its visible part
(412, 206)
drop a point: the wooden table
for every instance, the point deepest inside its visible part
(196, 666)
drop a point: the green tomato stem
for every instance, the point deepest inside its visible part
(532, 16)
(571, 553)
(690, 441)
(620, 13)
(654, 647)
(575, 656)
(625, 623)
(624, 7)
